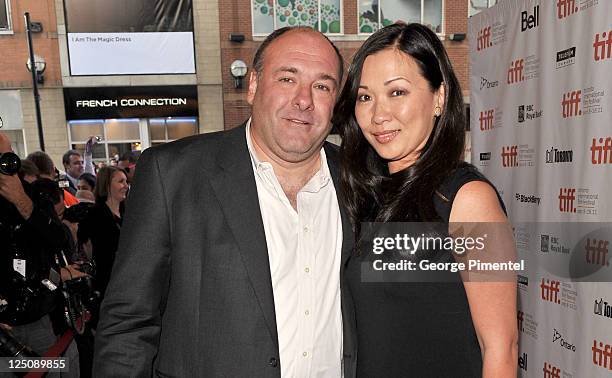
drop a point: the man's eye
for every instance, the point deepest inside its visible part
(398, 92)
(286, 80)
(323, 87)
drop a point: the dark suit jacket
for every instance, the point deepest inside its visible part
(190, 293)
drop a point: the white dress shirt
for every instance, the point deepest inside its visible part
(304, 250)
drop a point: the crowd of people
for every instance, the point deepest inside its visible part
(87, 203)
(242, 251)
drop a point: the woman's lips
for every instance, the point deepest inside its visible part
(386, 136)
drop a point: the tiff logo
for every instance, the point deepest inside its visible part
(570, 105)
(567, 196)
(602, 48)
(515, 73)
(596, 252)
(601, 153)
(550, 290)
(519, 318)
(509, 156)
(486, 120)
(551, 371)
(484, 39)
(566, 8)
(602, 355)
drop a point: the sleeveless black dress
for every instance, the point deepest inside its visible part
(417, 329)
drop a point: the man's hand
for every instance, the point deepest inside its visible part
(90, 143)
(5, 143)
(70, 272)
(10, 186)
(12, 190)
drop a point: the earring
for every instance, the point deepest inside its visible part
(437, 111)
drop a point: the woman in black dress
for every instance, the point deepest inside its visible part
(401, 118)
(102, 226)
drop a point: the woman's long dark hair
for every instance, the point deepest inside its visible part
(368, 190)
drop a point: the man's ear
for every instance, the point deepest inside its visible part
(252, 87)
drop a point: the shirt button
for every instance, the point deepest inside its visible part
(305, 229)
(306, 312)
(273, 362)
(305, 354)
(307, 270)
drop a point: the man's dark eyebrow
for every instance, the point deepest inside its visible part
(330, 78)
(287, 69)
(294, 70)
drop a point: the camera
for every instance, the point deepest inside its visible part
(77, 213)
(9, 163)
(11, 347)
(79, 299)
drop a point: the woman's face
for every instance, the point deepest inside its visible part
(395, 107)
(84, 185)
(118, 187)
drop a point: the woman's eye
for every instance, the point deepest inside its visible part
(398, 92)
(363, 98)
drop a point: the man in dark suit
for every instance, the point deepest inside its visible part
(230, 254)
(74, 167)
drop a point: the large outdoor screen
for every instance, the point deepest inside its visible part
(118, 37)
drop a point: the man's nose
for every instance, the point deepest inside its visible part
(303, 98)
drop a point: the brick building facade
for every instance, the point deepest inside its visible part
(16, 96)
(235, 17)
(220, 104)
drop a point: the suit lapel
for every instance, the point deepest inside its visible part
(347, 228)
(348, 242)
(234, 186)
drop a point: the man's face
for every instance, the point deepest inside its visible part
(129, 168)
(75, 167)
(293, 96)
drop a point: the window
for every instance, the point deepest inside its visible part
(375, 14)
(322, 15)
(5, 16)
(475, 6)
(17, 141)
(118, 136)
(163, 130)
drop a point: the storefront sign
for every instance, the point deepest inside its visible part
(131, 102)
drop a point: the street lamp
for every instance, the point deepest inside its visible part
(39, 65)
(238, 69)
(39, 68)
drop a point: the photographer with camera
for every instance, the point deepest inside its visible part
(30, 235)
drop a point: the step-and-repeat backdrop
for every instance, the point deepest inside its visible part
(541, 129)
